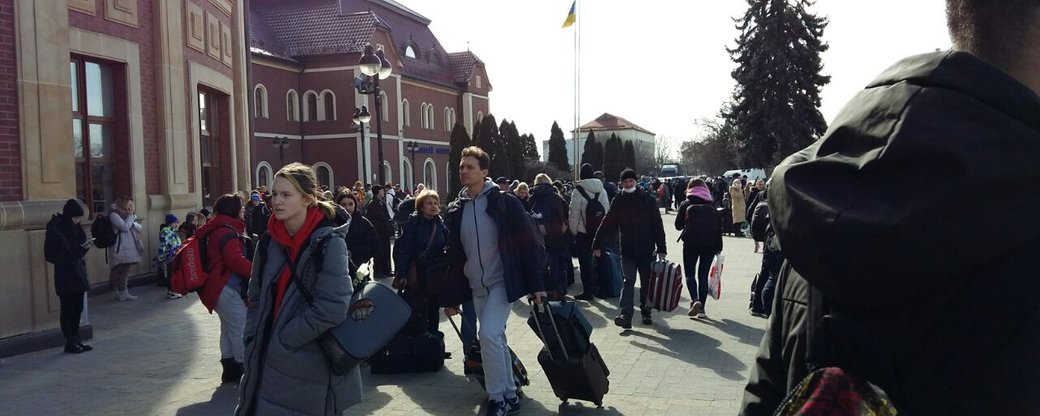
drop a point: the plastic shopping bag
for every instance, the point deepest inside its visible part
(715, 276)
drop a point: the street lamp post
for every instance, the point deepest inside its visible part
(361, 116)
(375, 66)
(412, 147)
(280, 143)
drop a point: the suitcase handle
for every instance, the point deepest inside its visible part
(541, 333)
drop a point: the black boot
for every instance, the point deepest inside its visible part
(232, 370)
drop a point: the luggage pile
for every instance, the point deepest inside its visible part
(414, 349)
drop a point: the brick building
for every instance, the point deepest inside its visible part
(103, 98)
(304, 60)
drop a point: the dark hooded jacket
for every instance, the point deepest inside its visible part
(520, 245)
(550, 213)
(636, 216)
(63, 246)
(946, 292)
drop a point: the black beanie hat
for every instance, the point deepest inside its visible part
(586, 171)
(629, 174)
(72, 209)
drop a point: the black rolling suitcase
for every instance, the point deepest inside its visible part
(578, 376)
(410, 353)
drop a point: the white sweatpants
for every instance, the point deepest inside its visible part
(492, 312)
(232, 312)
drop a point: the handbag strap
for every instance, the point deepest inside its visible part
(293, 278)
(433, 233)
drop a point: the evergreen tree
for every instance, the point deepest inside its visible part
(777, 97)
(558, 149)
(613, 158)
(592, 152)
(530, 147)
(489, 140)
(459, 140)
(514, 150)
(630, 155)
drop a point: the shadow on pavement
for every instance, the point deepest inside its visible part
(223, 401)
(745, 334)
(584, 408)
(691, 347)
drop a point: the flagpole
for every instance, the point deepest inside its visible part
(577, 85)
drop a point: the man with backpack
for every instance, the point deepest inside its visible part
(588, 207)
(933, 304)
(549, 211)
(635, 214)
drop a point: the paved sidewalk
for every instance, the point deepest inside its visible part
(156, 356)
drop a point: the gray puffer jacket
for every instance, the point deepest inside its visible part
(286, 370)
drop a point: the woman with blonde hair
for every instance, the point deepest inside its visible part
(736, 195)
(299, 289)
(128, 248)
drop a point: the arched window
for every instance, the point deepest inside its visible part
(429, 116)
(263, 174)
(324, 173)
(260, 101)
(406, 170)
(409, 51)
(447, 118)
(407, 118)
(430, 174)
(292, 106)
(480, 116)
(385, 113)
(454, 119)
(310, 113)
(387, 171)
(422, 116)
(328, 112)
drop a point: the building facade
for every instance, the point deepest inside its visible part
(602, 127)
(304, 63)
(108, 98)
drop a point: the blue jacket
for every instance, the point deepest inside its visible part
(520, 245)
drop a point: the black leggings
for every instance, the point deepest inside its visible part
(71, 310)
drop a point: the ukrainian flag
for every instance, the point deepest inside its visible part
(570, 16)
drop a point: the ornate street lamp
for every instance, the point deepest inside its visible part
(375, 66)
(412, 147)
(361, 116)
(280, 143)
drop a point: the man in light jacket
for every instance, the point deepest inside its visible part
(587, 188)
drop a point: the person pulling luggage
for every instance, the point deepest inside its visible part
(635, 214)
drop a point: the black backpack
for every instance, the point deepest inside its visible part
(594, 212)
(546, 212)
(702, 224)
(104, 233)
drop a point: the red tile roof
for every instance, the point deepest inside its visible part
(463, 64)
(609, 121)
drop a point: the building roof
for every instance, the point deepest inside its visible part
(609, 121)
(333, 27)
(318, 30)
(463, 64)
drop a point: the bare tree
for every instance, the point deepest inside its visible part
(662, 151)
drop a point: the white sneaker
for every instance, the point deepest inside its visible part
(696, 309)
(173, 295)
(124, 296)
(701, 315)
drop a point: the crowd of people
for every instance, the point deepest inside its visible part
(872, 296)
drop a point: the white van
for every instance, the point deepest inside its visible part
(752, 174)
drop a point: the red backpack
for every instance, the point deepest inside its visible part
(188, 272)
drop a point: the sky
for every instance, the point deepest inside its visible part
(661, 64)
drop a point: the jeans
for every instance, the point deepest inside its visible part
(71, 310)
(629, 266)
(772, 261)
(232, 313)
(588, 273)
(493, 310)
(118, 275)
(700, 261)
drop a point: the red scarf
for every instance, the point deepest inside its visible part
(293, 244)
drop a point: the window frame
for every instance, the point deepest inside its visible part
(113, 123)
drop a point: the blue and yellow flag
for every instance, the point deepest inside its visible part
(570, 16)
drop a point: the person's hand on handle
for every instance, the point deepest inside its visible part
(536, 297)
(597, 253)
(449, 312)
(661, 256)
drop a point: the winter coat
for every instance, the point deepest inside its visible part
(549, 211)
(714, 245)
(636, 216)
(256, 219)
(361, 241)
(592, 186)
(738, 204)
(946, 291)
(287, 372)
(169, 242)
(127, 248)
(223, 261)
(520, 245)
(380, 219)
(414, 237)
(63, 243)
(760, 221)
(404, 210)
(754, 197)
